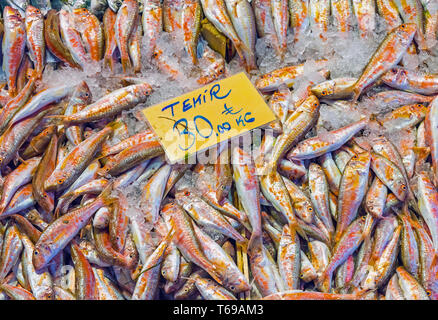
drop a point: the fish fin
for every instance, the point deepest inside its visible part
(324, 282)
(369, 221)
(105, 195)
(126, 64)
(356, 95)
(101, 156)
(298, 229)
(19, 158)
(360, 294)
(114, 125)
(255, 242)
(434, 264)
(58, 119)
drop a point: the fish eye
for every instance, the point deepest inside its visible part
(60, 181)
(35, 252)
(221, 70)
(363, 218)
(429, 293)
(403, 26)
(301, 275)
(155, 55)
(186, 193)
(354, 157)
(310, 209)
(324, 93)
(87, 94)
(419, 105)
(315, 104)
(163, 272)
(403, 187)
(232, 288)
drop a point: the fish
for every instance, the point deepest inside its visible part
(152, 23)
(64, 229)
(13, 45)
(72, 38)
(402, 79)
(365, 12)
(191, 26)
(54, 43)
(242, 17)
(386, 56)
(126, 21)
(216, 12)
(34, 21)
(109, 20)
(111, 104)
(352, 191)
(299, 19)
(91, 32)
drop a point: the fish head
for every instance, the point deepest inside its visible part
(12, 17)
(46, 293)
(41, 256)
(304, 210)
(55, 181)
(83, 93)
(236, 282)
(323, 89)
(396, 76)
(49, 202)
(33, 13)
(406, 33)
(360, 160)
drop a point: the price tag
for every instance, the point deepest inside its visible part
(207, 116)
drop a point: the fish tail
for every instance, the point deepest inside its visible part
(324, 282)
(360, 294)
(255, 241)
(126, 63)
(114, 125)
(109, 62)
(240, 48)
(105, 195)
(356, 94)
(294, 226)
(58, 119)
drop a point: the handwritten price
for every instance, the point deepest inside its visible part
(207, 116)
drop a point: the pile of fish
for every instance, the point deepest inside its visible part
(90, 209)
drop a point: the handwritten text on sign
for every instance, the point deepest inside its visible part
(207, 116)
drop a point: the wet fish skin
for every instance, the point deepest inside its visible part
(352, 191)
(125, 23)
(13, 45)
(64, 229)
(386, 56)
(34, 21)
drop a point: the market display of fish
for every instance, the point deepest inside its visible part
(337, 201)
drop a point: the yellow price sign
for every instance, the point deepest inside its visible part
(207, 116)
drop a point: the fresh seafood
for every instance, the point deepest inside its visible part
(334, 200)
